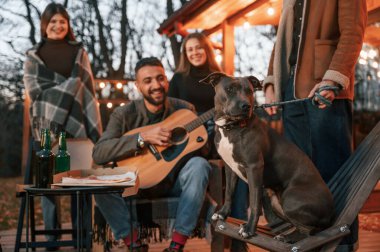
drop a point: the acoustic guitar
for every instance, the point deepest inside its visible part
(156, 162)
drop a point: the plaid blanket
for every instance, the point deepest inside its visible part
(56, 100)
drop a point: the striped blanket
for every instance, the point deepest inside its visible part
(69, 103)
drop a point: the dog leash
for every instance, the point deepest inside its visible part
(317, 94)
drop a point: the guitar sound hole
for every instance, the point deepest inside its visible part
(179, 135)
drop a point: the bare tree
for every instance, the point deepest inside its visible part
(174, 43)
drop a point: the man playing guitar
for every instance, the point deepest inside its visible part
(189, 181)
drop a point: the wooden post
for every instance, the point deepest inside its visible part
(228, 48)
(25, 134)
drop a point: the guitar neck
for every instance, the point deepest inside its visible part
(200, 120)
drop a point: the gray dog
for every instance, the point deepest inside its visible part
(265, 160)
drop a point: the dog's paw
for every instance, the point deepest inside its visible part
(244, 233)
(217, 216)
(291, 236)
(279, 237)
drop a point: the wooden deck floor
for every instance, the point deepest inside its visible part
(369, 242)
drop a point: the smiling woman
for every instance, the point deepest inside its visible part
(58, 79)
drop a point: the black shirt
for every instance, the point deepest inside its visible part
(59, 55)
(188, 88)
(155, 117)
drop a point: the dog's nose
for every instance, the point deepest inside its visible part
(245, 107)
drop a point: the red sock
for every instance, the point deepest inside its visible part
(179, 239)
(127, 240)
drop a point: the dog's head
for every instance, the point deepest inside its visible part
(234, 97)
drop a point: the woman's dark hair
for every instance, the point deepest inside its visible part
(184, 64)
(49, 12)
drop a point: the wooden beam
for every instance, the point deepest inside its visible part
(228, 48)
(373, 16)
(235, 17)
(25, 135)
(188, 12)
(240, 14)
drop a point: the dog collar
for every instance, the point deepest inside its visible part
(235, 124)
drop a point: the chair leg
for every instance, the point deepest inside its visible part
(28, 179)
(20, 224)
(32, 221)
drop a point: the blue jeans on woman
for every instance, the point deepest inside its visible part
(325, 135)
(190, 186)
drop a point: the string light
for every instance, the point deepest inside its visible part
(270, 11)
(122, 104)
(246, 25)
(372, 53)
(102, 85)
(363, 54)
(363, 61)
(109, 105)
(119, 85)
(219, 58)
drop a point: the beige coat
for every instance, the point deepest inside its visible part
(330, 44)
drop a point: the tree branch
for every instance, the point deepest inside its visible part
(102, 38)
(32, 32)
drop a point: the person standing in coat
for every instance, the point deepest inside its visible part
(318, 43)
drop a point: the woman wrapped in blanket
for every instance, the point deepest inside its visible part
(59, 82)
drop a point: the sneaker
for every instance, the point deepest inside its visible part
(173, 250)
(174, 247)
(139, 248)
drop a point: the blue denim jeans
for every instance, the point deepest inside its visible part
(325, 135)
(240, 201)
(190, 186)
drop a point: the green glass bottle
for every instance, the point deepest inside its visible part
(45, 162)
(62, 158)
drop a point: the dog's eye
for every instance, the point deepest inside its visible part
(230, 89)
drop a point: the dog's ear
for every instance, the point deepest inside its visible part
(212, 79)
(256, 84)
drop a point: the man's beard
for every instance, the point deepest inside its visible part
(152, 101)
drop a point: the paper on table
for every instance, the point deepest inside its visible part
(128, 178)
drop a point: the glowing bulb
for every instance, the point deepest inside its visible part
(246, 25)
(218, 58)
(270, 11)
(122, 104)
(372, 53)
(362, 62)
(378, 74)
(375, 64)
(109, 105)
(363, 54)
(119, 85)
(102, 85)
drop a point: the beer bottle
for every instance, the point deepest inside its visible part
(45, 162)
(62, 158)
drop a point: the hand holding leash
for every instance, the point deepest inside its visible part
(324, 93)
(321, 96)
